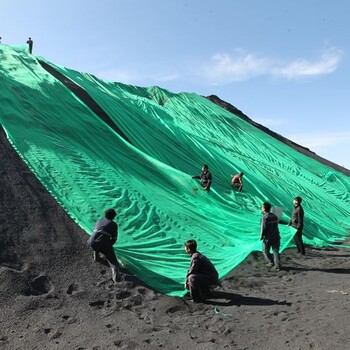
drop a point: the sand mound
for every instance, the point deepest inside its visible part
(53, 296)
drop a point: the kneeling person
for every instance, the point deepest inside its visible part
(201, 273)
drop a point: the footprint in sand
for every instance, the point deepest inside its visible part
(177, 308)
(122, 294)
(69, 319)
(74, 289)
(97, 303)
(38, 286)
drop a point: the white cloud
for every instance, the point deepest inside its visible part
(242, 66)
(327, 63)
(225, 68)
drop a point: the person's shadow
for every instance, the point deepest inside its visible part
(221, 298)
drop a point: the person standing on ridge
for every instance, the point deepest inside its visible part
(270, 236)
(30, 44)
(237, 182)
(297, 221)
(205, 177)
(201, 273)
(104, 235)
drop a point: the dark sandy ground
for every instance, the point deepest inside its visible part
(52, 295)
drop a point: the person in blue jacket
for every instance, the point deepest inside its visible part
(30, 45)
(101, 241)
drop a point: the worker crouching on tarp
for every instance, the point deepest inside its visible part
(105, 234)
(205, 177)
(237, 182)
(201, 274)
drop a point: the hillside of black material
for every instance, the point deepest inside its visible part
(52, 295)
(229, 107)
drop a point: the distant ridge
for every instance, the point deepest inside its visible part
(217, 100)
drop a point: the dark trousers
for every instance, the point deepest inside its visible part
(198, 285)
(275, 245)
(204, 184)
(106, 248)
(298, 239)
(237, 186)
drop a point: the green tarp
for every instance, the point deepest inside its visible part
(88, 167)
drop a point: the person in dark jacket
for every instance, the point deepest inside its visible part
(201, 274)
(270, 236)
(104, 235)
(297, 221)
(30, 45)
(205, 177)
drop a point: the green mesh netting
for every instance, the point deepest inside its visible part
(88, 167)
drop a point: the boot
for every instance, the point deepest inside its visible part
(115, 274)
(95, 256)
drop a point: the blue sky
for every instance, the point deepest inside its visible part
(283, 63)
